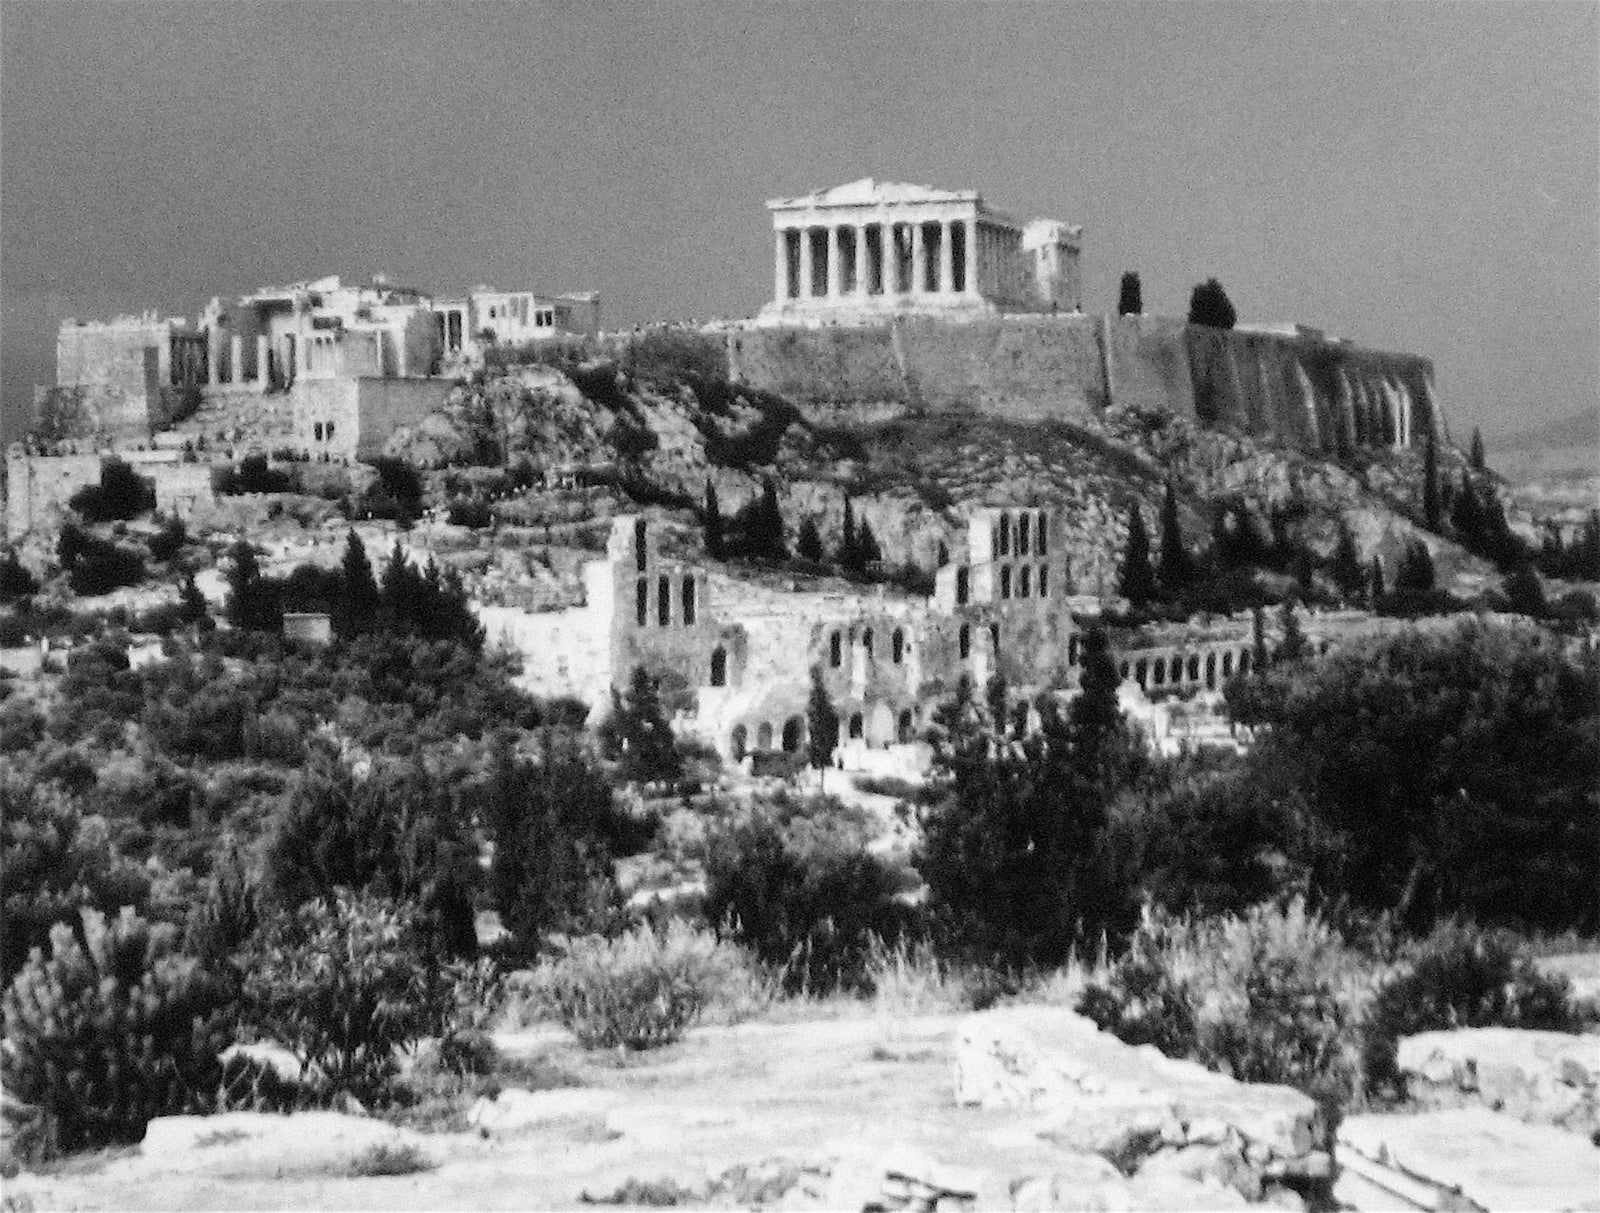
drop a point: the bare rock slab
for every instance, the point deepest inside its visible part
(1539, 1077)
(262, 1145)
(1492, 1160)
(1144, 1112)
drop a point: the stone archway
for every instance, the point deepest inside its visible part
(794, 734)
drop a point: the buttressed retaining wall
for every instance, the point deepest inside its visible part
(1319, 395)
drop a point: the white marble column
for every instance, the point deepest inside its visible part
(780, 266)
(806, 276)
(861, 259)
(835, 278)
(214, 356)
(891, 279)
(947, 259)
(971, 267)
(918, 270)
(263, 362)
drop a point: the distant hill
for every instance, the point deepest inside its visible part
(1566, 447)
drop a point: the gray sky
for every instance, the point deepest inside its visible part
(1420, 176)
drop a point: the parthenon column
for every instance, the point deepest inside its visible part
(263, 362)
(918, 270)
(891, 267)
(236, 364)
(806, 275)
(834, 277)
(780, 265)
(971, 267)
(214, 356)
(947, 259)
(861, 259)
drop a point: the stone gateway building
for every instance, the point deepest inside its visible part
(878, 247)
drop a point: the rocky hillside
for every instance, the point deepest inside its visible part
(664, 437)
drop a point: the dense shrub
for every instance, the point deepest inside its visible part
(1461, 977)
(638, 991)
(469, 512)
(112, 1030)
(16, 582)
(1439, 773)
(96, 566)
(1266, 996)
(253, 475)
(806, 902)
(343, 984)
(169, 540)
(121, 494)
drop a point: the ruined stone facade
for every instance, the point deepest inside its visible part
(735, 657)
(465, 327)
(38, 487)
(881, 247)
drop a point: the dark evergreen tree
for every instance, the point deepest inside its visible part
(400, 593)
(1466, 515)
(1258, 641)
(638, 735)
(196, 610)
(822, 723)
(1130, 300)
(1349, 574)
(760, 526)
(359, 600)
(808, 545)
(1138, 581)
(1099, 732)
(1209, 306)
(711, 521)
(1476, 457)
(848, 554)
(1431, 509)
(1177, 568)
(1416, 573)
(16, 582)
(1375, 586)
(252, 599)
(1294, 645)
(867, 549)
(1524, 592)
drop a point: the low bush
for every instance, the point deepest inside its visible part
(343, 984)
(114, 1029)
(253, 475)
(121, 494)
(97, 566)
(469, 512)
(1267, 996)
(637, 991)
(1460, 977)
(807, 901)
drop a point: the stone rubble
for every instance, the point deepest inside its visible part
(1548, 1078)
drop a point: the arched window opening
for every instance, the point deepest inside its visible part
(688, 601)
(963, 586)
(858, 726)
(966, 641)
(1211, 671)
(943, 557)
(1122, 671)
(1158, 675)
(642, 601)
(866, 642)
(835, 650)
(764, 736)
(738, 741)
(905, 731)
(1044, 581)
(1005, 582)
(1244, 663)
(1024, 582)
(1141, 673)
(1022, 534)
(638, 544)
(897, 646)
(1041, 542)
(663, 600)
(1194, 667)
(1227, 665)
(793, 734)
(1005, 534)
(1072, 650)
(719, 666)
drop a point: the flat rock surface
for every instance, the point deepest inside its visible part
(1496, 1161)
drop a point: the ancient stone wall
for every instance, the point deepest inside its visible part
(1322, 396)
(384, 405)
(39, 486)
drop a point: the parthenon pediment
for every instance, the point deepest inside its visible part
(868, 191)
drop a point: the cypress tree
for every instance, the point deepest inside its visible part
(867, 549)
(1466, 515)
(1476, 456)
(711, 521)
(848, 555)
(1348, 573)
(1210, 306)
(1430, 485)
(1258, 641)
(1294, 645)
(769, 540)
(1375, 587)
(1138, 581)
(252, 599)
(1094, 716)
(1177, 570)
(809, 543)
(1130, 301)
(359, 601)
(1416, 570)
(400, 592)
(822, 723)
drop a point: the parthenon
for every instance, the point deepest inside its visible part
(872, 247)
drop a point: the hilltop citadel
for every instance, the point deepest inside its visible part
(890, 301)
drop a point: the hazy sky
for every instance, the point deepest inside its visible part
(1420, 176)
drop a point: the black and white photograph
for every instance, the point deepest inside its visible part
(884, 606)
